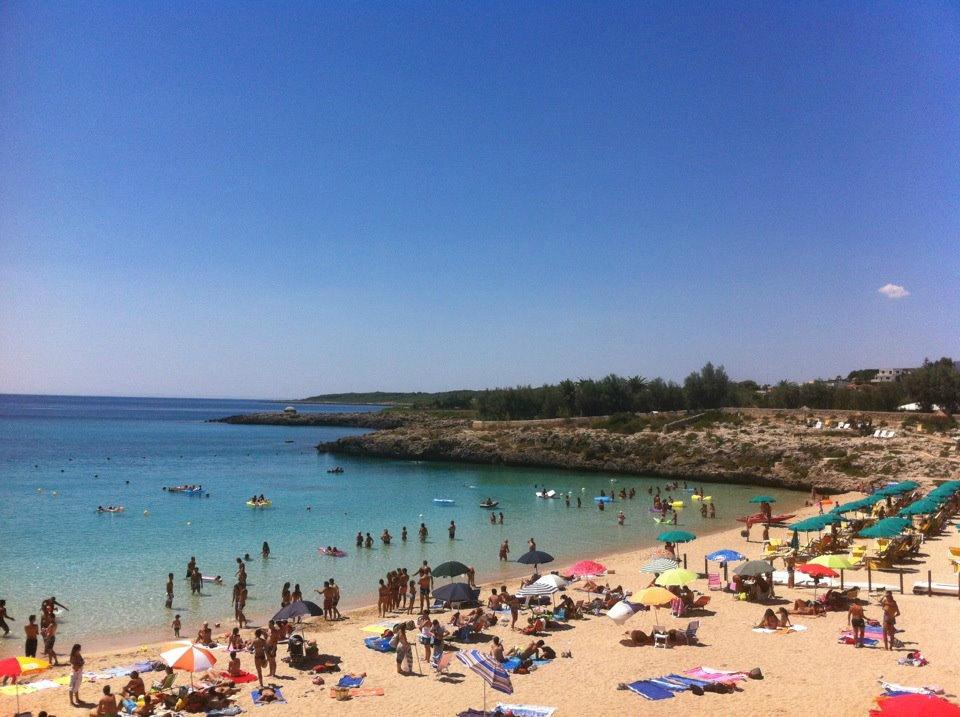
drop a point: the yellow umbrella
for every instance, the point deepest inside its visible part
(653, 597)
(837, 562)
(676, 576)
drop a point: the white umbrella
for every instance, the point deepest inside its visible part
(621, 612)
(537, 589)
(189, 657)
(554, 580)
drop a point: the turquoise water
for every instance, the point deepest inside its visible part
(62, 457)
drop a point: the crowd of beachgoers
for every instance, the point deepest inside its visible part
(838, 588)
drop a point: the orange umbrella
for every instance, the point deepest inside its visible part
(189, 657)
(20, 667)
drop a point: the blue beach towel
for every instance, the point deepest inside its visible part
(256, 698)
(348, 681)
(649, 690)
(380, 644)
(514, 662)
(225, 712)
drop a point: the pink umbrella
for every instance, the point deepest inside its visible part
(587, 567)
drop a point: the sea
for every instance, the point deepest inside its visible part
(61, 457)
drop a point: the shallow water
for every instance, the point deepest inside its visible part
(62, 457)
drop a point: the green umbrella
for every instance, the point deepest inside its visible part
(810, 525)
(676, 536)
(886, 528)
(763, 499)
(921, 507)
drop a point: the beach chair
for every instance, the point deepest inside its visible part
(437, 606)
(714, 582)
(166, 684)
(689, 636)
(659, 637)
(700, 603)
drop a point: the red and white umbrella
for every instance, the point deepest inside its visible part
(188, 657)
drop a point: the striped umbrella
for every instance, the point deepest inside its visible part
(552, 579)
(490, 672)
(189, 657)
(659, 565)
(537, 589)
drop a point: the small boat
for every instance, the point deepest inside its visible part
(332, 553)
(260, 503)
(546, 494)
(186, 489)
(443, 501)
(490, 504)
(112, 509)
(335, 469)
(603, 499)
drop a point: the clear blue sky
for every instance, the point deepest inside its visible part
(278, 199)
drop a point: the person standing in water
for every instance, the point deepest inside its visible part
(452, 530)
(504, 549)
(31, 630)
(266, 550)
(4, 616)
(169, 603)
(423, 532)
(501, 518)
(403, 534)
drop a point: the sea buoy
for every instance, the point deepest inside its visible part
(189, 523)
(146, 512)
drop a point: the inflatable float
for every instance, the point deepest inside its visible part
(547, 494)
(260, 504)
(443, 501)
(490, 504)
(332, 553)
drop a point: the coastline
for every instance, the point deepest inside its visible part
(601, 660)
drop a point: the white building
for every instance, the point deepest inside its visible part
(889, 375)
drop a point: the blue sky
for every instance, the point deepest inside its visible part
(277, 199)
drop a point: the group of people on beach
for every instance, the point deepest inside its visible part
(33, 632)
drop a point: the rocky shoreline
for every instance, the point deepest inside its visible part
(372, 419)
(771, 450)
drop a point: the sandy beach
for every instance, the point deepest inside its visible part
(802, 671)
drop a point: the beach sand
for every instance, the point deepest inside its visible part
(803, 672)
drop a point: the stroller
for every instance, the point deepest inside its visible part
(295, 650)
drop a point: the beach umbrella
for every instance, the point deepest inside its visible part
(815, 523)
(189, 657)
(914, 705)
(655, 596)
(455, 592)
(814, 570)
(676, 577)
(837, 562)
(554, 580)
(886, 528)
(725, 556)
(587, 567)
(659, 565)
(923, 506)
(753, 568)
(538, 589)
(450, 569)
(535, 558)
(299, 608)
(489, 671)
(763, 499)
(16, 667)
(621, 612)
(676, 536)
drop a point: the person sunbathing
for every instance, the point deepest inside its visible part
(233, 667)
(456, 620)
(808, 607)
(784, 617)
(235, 642)
(769, 620)
(107, 706)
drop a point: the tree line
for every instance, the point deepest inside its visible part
(935, 383)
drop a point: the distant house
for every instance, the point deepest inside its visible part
(890, 375)
(916, 407)
(290, 410)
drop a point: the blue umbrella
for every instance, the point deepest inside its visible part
(300, 608)
(725, 556)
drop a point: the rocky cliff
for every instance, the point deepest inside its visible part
(771, 450)
(375, 420)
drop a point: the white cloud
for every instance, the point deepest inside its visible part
(893, 291)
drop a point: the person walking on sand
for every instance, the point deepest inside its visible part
(856, 620)
(259, 646)
(404, 651)
(891, 611)
(504, 550)
(274, 635)
(76, 676)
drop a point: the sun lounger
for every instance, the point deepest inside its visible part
(659, 637)
(923, 587)
(700, 603)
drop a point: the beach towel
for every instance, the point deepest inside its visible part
(225, 712)
(380, 644)
(710, 674)
(377, 628)
(255, 695)
(782, 630)
(913, 659)
(45, 684)
(359, 692)
(649, 690)
(350, 681)
(514, 662)
(14, 690)
(527, 710)
(894, 688)
(240, 679)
